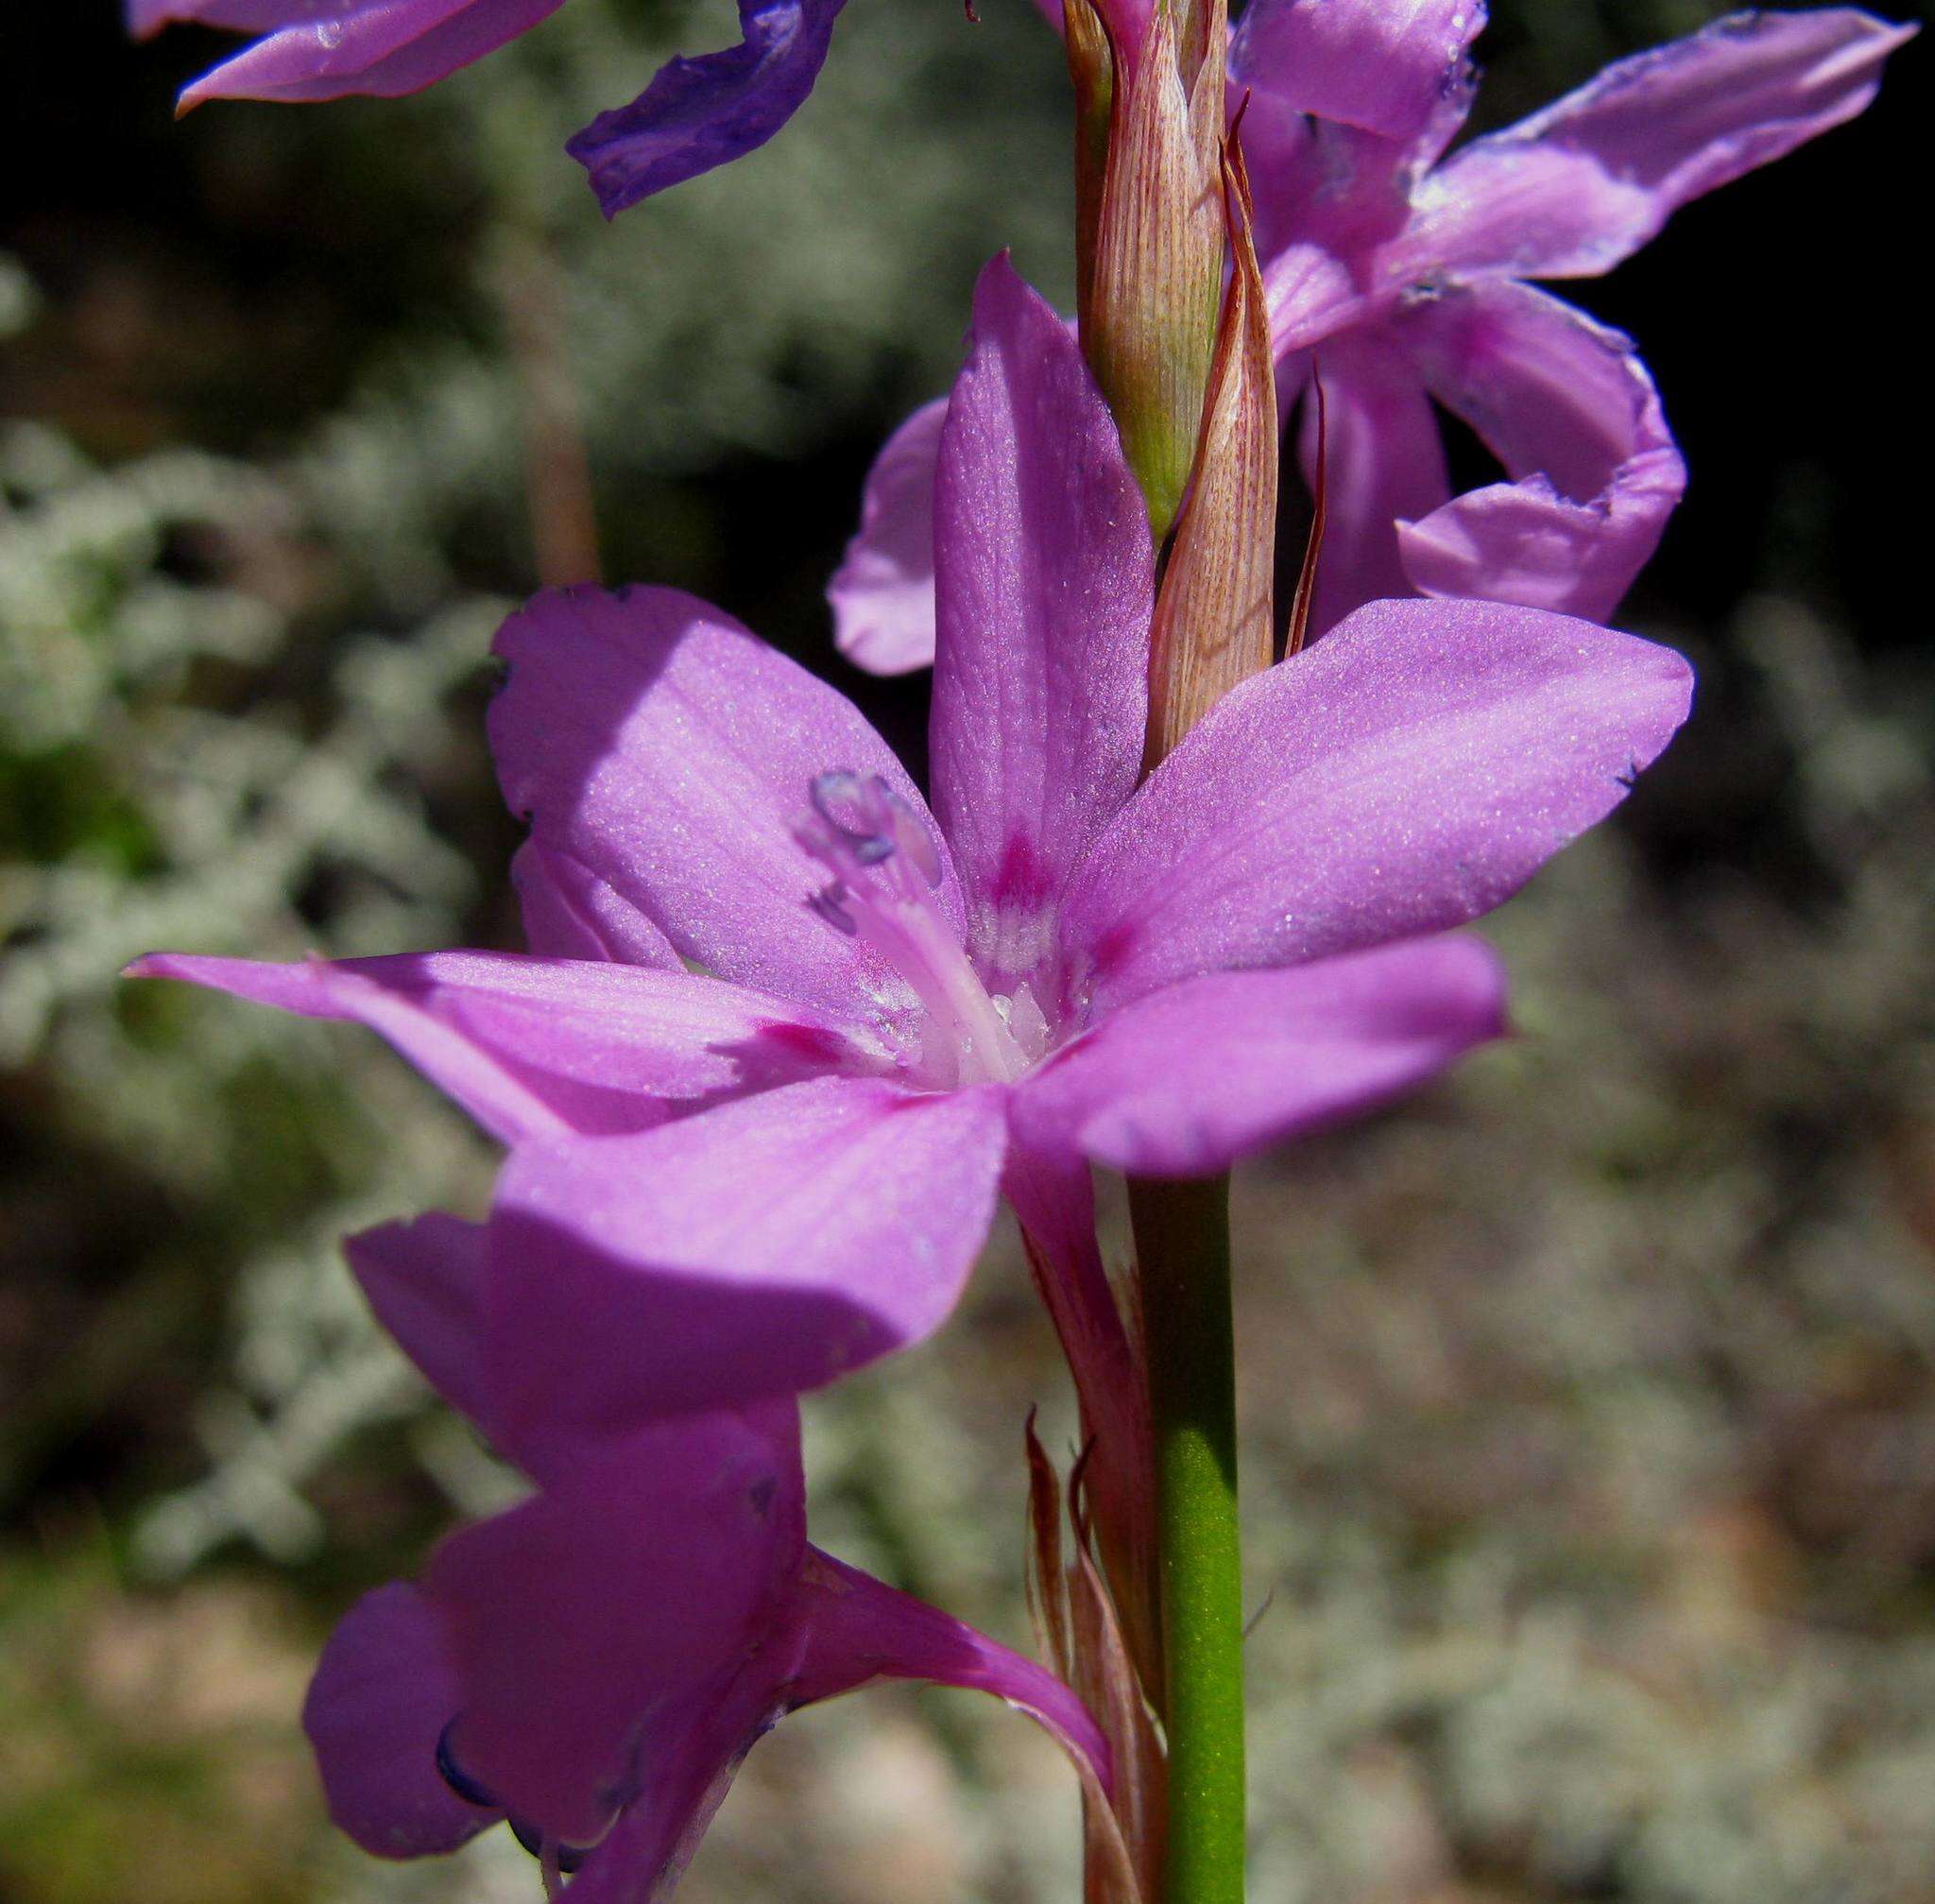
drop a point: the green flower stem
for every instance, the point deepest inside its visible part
(1182, 1245)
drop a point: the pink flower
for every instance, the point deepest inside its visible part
(895, 1011)
(594, 1663)
(1397, 276)
(695, 115)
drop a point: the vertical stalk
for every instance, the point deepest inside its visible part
(1182, 1245)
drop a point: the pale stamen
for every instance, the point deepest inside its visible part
(886, 873)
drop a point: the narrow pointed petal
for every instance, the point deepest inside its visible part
(1214, 623)
(1192, 1078)
(1397, 70)
(538, 1047)
(654, 742)
(147, 17)
(1404, 774)
(503, 1102)
(859, 1629)
(425, 1281)
(1045, 580)
(381, 48)
(570, 913)
(1574, 189)
(383, 1693)
(1385, 464)
(699, 113)
(1569, 408)
(883, 593)
(643, 1572)
(762, 1249)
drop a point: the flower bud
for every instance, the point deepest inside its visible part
(1149, 324)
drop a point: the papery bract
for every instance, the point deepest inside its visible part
(1396, 276)
(695, 115)
(594, 1663)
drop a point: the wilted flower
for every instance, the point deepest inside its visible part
(893, 1009)
(593, 1664)
(1398, 279)
(695, 115)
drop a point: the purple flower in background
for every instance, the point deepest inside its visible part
(593, 1664)
(1397, 276)
(695, 115)
(893, 1010)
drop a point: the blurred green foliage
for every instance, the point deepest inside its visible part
(1590, 1416)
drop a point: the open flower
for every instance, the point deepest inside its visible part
(1397, 277)
(895, 1008)
(593, 1664)
(695, 115)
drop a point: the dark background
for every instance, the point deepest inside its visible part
(1590, 1407)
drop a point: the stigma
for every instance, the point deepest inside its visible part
(884, 890)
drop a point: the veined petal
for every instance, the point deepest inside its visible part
(1045, 580)
(147, 17)
(1385, 463)
(1404, 774)
(670, 753)
(569, 912)
(859, 1629)
(643, 1572)
(425, 1281)
(384, 1691)
(1189, 1079)
(536, 1047)
(698, 113)
(1569, 408)
(382, 47)
(883, 594)
(1397, 68)
(762, 1249)
(1574, 189)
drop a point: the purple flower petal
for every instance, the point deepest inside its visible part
(1184, 1082)
(1569, 408)
(655, 743)
(384, 1691)
(1397, 68)
(146, 18)
(883, 594)
(1404, 774)
(425, 1281)
(569, 912)
(1044, 582)
(538, 1047)
(842, 1630)
(858, 1630)
(762, 1249)
(578, 1621)
(1574, 189)
(698, 113)
(1386, 462)
(503, 1102)
(689, 1753)
(385, 47)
